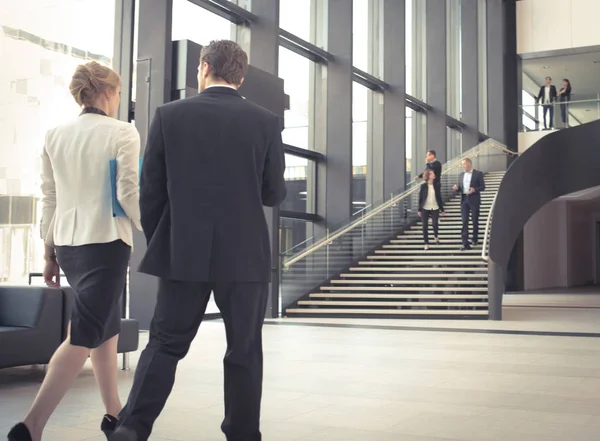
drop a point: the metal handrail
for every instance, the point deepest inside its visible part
(488, 224)
(474, 152)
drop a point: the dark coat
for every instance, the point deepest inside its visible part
(211, 163)
(477, 183)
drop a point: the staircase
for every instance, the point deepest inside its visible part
(402, 279)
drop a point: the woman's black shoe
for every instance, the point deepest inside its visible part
(109, 424)
(19, 433)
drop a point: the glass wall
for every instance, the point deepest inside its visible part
(296, 71)
(360, 146)
(45, 42)
(453, 60)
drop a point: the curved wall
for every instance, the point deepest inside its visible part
(561, 163)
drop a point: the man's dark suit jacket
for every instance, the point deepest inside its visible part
(542, 93)
(477, 183)
(436, 166)
(211, 163)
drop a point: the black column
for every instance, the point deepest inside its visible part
(264, 54)
(333, 133)
(470, 65)
(436, 77)
(153, 89)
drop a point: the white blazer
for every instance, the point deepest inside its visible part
(77, 197)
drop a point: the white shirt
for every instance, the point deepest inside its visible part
(467, 181)
(76, 189)
(431, 202)
(547, 95)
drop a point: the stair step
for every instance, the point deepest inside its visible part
(482, 268)
(349, 295)
(424, 256)
(388, 304)
(374, 312)
(400, 277)
(405, 288)
(419, 241)
(478, 262)
(430, 251)
(409, 282)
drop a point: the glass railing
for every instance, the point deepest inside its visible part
(559, 115)
(319, 259)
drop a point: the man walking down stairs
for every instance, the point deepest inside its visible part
(400, 279)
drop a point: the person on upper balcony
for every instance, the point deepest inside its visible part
(470, 185)
(564, 96)
(548, 96)
(432, 163)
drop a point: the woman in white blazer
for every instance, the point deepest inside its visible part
(84, 238)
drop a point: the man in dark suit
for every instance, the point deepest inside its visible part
(211, 163)
(432, 163)
(470, 184)
(547, 96)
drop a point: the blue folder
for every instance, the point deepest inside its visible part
(116, 207)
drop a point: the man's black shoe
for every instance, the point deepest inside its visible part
(463, 248)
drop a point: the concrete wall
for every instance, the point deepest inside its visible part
(527, 139)
(544, 247)
(560, 244)
(548, 25)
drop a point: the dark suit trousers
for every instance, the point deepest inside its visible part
(471, 209)
(179, 311)
(425, 215)
(549, 108)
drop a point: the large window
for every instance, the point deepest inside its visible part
(295, 17)
(529, 111)
(415, 34)
(300, 180)
(191, 22)
(44, 41)
(360, 145)
(410, 143)
(296, 71)
(453, 59)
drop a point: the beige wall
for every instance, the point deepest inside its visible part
(547, 25)
(527, 139)
(559, 244)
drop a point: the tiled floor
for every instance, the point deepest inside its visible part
(357, 384)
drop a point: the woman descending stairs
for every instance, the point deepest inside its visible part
(401, 279)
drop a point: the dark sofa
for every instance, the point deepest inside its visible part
(33, 323)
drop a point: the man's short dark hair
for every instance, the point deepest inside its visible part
(432, 152)
(549, 78)
(227, 60)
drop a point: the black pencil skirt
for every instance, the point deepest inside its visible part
(97, 273)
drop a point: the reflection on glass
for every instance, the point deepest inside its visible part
(295, 71)
(192, 22)
(44, 41)
(293, 234)
(299, 177)
(360, 104)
